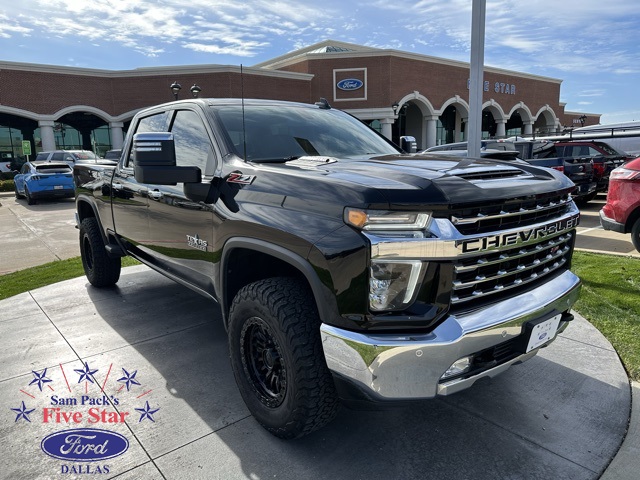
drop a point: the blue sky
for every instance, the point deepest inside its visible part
(590, 44)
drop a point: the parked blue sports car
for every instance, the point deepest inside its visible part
(44, 180)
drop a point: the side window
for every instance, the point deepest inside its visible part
(25, 168)
(593, 152)
(57, 156)
(153, 123)
(42, 156)
(193, 145)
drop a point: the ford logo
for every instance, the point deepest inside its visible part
(542, 336)
(350, 84)
(84, 444)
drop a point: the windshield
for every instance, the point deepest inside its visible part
(280, 133)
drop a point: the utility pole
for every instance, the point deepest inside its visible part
(474, 131)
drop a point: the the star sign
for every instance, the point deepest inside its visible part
(146, 412)
(129, 379)
(85, 373)
(23, 412)
(40, 378)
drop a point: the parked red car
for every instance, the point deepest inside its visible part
(622, 210)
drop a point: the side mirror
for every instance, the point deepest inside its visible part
(408, 144)
(154, 159)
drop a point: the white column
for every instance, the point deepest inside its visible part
(528, 128)
(46, 135)
(117, 136)
(430, 134)
(385, 124)
(457, 137)
(501, 131)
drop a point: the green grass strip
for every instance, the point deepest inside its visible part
(610, 300)
(24, 280)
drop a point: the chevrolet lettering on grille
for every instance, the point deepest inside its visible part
(510, 239)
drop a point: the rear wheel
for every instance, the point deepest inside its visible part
(15, 188)
(635, 234)
(30, 199)
(100, 269)
(277, 357)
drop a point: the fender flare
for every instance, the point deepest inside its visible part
(324, 299)
(86, 200)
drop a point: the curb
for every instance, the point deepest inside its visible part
(624, 465)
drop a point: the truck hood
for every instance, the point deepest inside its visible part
(440, 179)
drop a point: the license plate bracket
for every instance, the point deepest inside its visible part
(539, 332)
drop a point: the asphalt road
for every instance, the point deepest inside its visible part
(37, 234)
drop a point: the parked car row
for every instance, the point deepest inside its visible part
(587, 163)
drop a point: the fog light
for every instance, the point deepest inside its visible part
(460, 366)
(392, 285)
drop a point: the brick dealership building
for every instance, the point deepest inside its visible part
(396, 92)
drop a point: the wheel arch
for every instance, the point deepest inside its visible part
(246, 260)
(86, 209)
(632, 219)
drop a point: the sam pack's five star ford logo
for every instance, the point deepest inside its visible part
(91, 404)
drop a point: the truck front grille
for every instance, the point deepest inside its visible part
(512, 214)
(482, 277)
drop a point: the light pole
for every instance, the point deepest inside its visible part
(195, 90)
(175, 89)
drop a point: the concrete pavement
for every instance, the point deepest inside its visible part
(563, 414)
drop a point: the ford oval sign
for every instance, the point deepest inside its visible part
(350, 84)
(84, 445)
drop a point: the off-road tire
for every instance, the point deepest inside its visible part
(100, 269)
(274, 327)
(635, 234)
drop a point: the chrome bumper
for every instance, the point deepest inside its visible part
(397, 367)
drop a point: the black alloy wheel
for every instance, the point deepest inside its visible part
(263, 363)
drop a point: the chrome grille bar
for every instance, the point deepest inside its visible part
(503, 214)
(508, 256)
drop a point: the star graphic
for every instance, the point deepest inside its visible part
(129, 379)
(85, 372)
(23, 412)
(40, 378)
(146, 412)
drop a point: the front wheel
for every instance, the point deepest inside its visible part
(277, 357)
(635, 234)
(100, 269)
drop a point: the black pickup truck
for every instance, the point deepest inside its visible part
(581, 170)
(344, 268)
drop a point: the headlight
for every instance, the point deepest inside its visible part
(392, 285)
(385, 220)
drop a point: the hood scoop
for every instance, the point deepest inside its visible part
(486, 173)
(311, 161)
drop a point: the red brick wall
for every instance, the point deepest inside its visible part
(46, 93)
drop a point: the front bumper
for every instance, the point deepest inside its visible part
(387, 367)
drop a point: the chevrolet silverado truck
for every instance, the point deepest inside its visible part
(345, 269)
